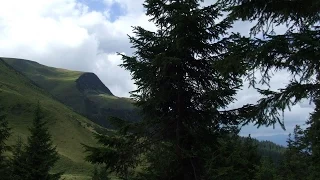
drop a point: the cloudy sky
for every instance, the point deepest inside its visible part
(85, 35)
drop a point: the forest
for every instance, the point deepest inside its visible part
(187, 74)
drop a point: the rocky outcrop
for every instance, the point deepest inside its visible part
(90, 83)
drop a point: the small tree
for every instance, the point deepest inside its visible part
(297, 160)
(18, 161)
(4, 134)
(40, 155)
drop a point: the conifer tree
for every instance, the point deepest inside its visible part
(100, 173)
(4, 134)
(40, 155)
(296, 162)
(266, 170)
(18, 161)
(295, 51)
(182, 92)
(312, 134)
(235, 158)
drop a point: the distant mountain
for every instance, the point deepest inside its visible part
(82, 91)
(280, 139)
(269, 149)
(18, 99)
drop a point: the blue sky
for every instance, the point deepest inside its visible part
(115, 10)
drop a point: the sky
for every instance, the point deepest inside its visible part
(85, 35)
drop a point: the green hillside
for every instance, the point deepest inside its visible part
(18, 97)
(82, 91)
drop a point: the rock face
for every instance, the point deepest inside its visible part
(90, 83)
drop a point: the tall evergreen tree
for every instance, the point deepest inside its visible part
(4, 134)
(40, 155)
(179, 88)
(295, 51)
(182, 92)
(312, 134)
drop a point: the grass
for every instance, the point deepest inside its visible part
(61, 83)
(18, 99)
(107, 101)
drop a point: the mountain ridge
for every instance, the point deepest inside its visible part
(18, 100)
(84, 92)
(89, 81)
(19, 95)
(280, 139)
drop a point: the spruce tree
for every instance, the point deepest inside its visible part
(312, 134)
(18, 161)
(295, 51)
(297, 159)
(40, 154)
(266, 170)
(182, 93)
(100, 173)
(4, 134)
(180, 90)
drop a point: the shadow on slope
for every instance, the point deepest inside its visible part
(82, 91)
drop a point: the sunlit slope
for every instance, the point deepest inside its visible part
(83, 92)
(18, 97)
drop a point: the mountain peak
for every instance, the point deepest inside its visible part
(90, 83)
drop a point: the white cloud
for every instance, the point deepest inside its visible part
(67, 34)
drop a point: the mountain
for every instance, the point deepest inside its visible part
(269, 149)
(23, 83)
(280, 139)
(82, 91)
(18, 99)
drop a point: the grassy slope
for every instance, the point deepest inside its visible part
(18, 97)
(62, 85)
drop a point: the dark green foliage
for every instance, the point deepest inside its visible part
(266, 169)
(270, 149)
(18, 97)
(100, 173)
(312, 134)
(182, 91)
(235, 158)
(296, 162)
(179, 88)
(295, 51)
(18, 161)
(116, 153)
(39, 156)
(119, 150)
(161, 155)
(4, 134)
(268, 14)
